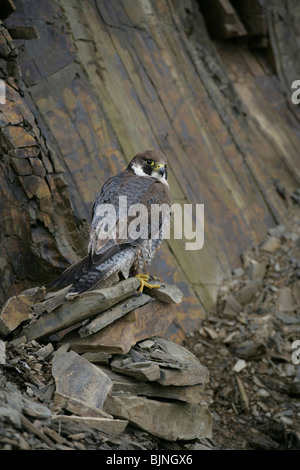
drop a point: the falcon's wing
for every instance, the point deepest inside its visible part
(107, 235)
(143, 196)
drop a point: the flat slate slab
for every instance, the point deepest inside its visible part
(55, 313)
(85, 306)
(109, 316)
(78, 407)
(107, 425)
(171, 421)
(126, 385)
(77, 378)
(148, 320)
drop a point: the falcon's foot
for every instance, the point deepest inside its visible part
(71, 296)
(144, 281)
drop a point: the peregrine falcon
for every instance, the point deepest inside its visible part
(120, 240)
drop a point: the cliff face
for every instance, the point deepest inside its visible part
(208, 83)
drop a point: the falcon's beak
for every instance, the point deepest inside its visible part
(160, 168)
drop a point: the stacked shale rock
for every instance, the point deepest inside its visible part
(110, 362)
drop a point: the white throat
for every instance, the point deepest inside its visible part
(138, 170)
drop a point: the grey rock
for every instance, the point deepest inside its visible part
(232, 306)
(78, 407)
(123, 384)
(35, 410)
(145, 370)
(286, 302)
(271, 244)
(292, 236)
(247, 292)
(166, 293)
(10, 415)
(171, 421)
(277, 231)
(248, 349)
(178, 366)
(296, 292)
(238, 272)
(45, 351)
(78, 378)
(256, 269)
(287, 319)
(98, 357)
(2, 352)
(107, 425)
(146, 344)
(14, 405)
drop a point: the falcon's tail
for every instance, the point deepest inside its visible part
(86, 274)
(87, 282)
(83, 276)
(72, 273)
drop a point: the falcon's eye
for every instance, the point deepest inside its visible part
(150, 162)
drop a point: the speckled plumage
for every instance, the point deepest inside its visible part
(113, 251)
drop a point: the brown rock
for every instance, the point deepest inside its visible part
(22, 166)
(7, 8)
(149, 320)
(19, 136)
(16, 310)
(113, 314)
(36, 186)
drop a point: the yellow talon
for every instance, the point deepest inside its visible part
(143, 278)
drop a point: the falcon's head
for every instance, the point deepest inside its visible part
(150, 163)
